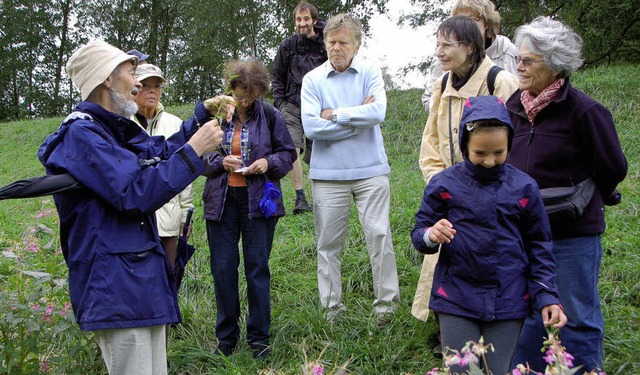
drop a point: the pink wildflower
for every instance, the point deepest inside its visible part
(452, 359)
(44, 213)
(318, 370)
(549, 357)
(35, 307)
(434, 371)
(44, 366)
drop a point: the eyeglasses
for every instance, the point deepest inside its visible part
(247, 100)
(527, 62)
(157, 86)
(447, 45)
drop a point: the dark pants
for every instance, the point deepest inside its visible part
(257, 238)
(455, 331)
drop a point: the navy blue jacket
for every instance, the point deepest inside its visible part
(500, 261)
(276, 146)
(119, 273)
(573, 138)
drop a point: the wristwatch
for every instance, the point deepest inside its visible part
(334, 117)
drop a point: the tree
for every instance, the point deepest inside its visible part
(610, 29)
(188, 39)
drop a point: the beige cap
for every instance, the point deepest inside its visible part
(144, 71)
(93, 63)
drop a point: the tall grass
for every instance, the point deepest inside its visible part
(300, 334)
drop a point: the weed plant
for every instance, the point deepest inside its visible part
(37, 334)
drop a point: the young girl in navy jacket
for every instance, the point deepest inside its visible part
(488, 221)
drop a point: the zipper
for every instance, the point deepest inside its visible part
(531, 134)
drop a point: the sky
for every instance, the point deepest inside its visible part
(395, 47)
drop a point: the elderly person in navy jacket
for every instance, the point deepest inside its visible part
(562, 137)
(495, 260)
(256, 150)
(120, 280)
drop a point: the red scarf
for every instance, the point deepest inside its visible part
(534, 104)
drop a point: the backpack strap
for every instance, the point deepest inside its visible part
(491, 78)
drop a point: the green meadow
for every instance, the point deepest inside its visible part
(37, 333)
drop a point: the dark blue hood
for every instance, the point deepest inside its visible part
(483, 108)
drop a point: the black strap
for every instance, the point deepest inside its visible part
(491, 78)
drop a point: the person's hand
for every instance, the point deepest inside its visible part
(369, 99)
(552, 315)
(231, 163)
(259, 166)
(221, 106)
(188, 230)
(442, 232)
(327, 114)
(207, 138)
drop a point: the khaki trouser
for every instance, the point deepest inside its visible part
(134, 351)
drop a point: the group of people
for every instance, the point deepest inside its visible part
(499, 266)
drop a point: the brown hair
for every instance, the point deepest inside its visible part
(249, 73)
(303, 5)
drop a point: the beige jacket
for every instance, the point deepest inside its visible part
(435, 151)
(174, 213)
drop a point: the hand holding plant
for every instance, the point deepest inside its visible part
(221, 106)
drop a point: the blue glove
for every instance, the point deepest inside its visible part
(268, 204)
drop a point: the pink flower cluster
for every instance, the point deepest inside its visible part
(49, 312)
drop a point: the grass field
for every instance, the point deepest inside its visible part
(29, 337)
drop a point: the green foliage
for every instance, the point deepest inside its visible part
(610, 29)
(301, 336)
(187, 39)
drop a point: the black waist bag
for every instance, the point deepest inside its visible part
(567, 202)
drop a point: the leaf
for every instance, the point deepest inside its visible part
(37, 274)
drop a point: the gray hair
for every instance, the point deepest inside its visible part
(485, 9)
(557, 42)
(349, 23)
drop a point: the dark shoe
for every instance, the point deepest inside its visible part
(437, 351)
(301, 206)
(225, 349)
(383, 319)
(260, 351)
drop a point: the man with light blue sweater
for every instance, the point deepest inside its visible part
(343, 103)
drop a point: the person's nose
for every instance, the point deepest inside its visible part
(489, 161)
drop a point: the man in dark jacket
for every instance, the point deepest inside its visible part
(121, 283)
(297, 55)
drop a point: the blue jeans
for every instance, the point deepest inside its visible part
(257, 239)
(577, 268)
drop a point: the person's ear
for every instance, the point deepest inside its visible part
(107, 82)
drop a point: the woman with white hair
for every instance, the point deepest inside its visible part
(562, 138)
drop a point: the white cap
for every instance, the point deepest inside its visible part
(93, 63)
(144, 71)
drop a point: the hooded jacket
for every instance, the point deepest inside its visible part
(500, 261)
(273, 144)
(445, 114)
(296, 56)
(119, 273)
